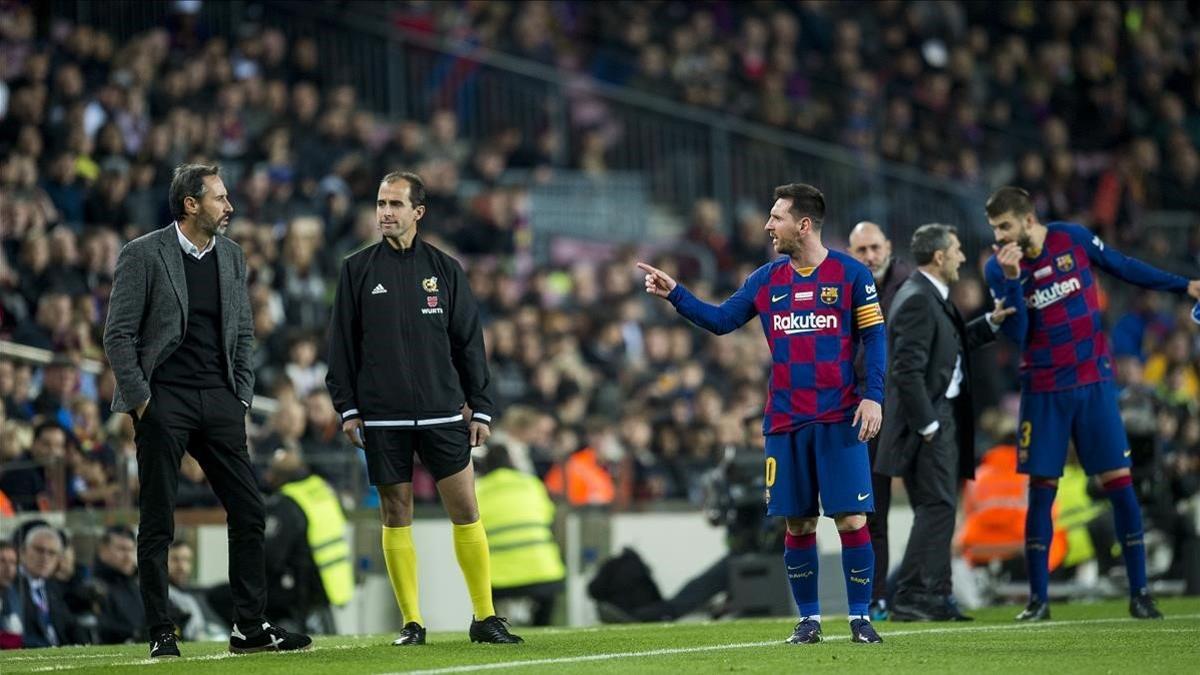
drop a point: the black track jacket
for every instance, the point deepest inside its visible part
(405, 344)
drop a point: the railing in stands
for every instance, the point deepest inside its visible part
(685, 152)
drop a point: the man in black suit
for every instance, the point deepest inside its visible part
(871, 247)
(928, 431)
(45, 617)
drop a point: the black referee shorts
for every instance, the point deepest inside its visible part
(444, 450)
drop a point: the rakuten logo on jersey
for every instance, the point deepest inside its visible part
(1044, 297)
(790, 324)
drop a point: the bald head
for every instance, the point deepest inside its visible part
(871, 247)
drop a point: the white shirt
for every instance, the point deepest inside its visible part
(955, 387)
(190, 248)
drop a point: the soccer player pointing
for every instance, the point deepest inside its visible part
(1048, 274)
(815, 306)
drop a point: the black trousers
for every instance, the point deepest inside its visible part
(210, 424)
(877, 523)
(932, 484)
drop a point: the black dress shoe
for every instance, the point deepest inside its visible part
(951, 611)
(912, 609)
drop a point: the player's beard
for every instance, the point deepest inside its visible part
(1025, 242)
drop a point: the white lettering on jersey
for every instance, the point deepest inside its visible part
(1044, 297)
(1097, 243)
(791, 324)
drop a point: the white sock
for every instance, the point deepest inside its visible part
(811, 617)
(863, 617)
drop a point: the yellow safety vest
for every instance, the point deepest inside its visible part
(326, 535)
(1075, 510)
(517, 515)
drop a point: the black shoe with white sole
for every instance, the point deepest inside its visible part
(164, 646)
(267, 638)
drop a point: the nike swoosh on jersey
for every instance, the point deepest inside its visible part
(863, 497)
(778, 298)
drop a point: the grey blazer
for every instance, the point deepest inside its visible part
(147, 314)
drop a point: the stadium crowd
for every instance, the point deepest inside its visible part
(1105, 99)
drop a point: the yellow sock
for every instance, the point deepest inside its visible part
(401, 559)
(471, 548)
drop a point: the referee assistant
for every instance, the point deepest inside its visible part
(179, 339)
(405, 354)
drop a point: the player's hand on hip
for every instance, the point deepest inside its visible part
(658, 282)
(1193, 288)
(870, 414)
(479, 433)
(353, 430)
(1009, 257)
(1000, 312)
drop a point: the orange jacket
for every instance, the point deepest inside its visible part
(587, 481)
(994, 507)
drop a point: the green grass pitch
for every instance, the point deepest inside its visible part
(1083, 638)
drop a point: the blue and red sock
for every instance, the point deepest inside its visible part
(1127, 516)
(800, 557)
(858, 564)
(1039, 531)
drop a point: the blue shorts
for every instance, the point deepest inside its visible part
(818, 459)
(1089, 415)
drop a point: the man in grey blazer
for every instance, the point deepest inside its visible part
(928, 436)
(179, 338)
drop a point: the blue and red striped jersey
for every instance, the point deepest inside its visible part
(1058, 321)
(813, 323)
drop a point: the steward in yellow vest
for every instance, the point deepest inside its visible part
(309, 563)
(518, 515)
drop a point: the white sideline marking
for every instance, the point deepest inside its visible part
(186, 659)
(749, 645)
(589, 657)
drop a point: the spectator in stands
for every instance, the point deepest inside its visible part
(121, 614)
(189, 608)
(51, 329)
(60, 380)
(45, 617)
(35, 480)
(579, 476)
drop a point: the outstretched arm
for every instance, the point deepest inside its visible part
(719, 319)
(1130, 269)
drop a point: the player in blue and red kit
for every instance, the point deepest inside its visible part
(815, 306)
(1048, 273)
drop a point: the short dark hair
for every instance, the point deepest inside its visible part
(807, 201)
(416, 186)
(1009, 198)
(929, 239)
(188, 181)
(113, 531)
(50, 425)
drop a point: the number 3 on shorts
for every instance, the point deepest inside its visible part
(1026, 430)
(770, 471)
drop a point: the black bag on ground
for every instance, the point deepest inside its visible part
(624, 581)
